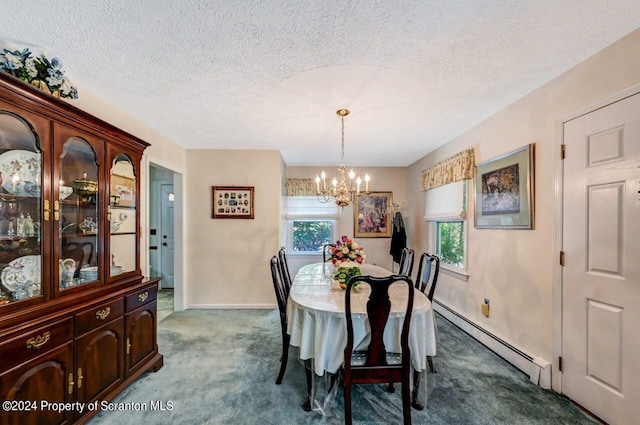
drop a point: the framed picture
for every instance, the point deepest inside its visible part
(505, 191)
(371, 217)
(232, 202)
(123, 191)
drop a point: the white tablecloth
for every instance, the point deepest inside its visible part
(317, 324)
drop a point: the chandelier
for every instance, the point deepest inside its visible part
(340, 192)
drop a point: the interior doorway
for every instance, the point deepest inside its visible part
(165, 206)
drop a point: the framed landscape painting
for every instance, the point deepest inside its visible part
(371, 215)
(505, 191)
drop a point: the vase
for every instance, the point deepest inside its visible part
(41, 85)
(341, 276)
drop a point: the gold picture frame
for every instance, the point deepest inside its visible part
(505, 191)
(233, 202)
(371, 218)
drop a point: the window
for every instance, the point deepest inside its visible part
(310, 224)
(450, 242)
(446, 210)
(308, 236)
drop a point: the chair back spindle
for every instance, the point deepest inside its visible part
(406, 262)
(284, 271)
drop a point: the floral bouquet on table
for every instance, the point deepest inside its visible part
(346, 256)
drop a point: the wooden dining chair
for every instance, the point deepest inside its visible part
(326, 251)
(376, 365)
(406, 262)
(281, 298)
(80, 252)
(284, 271)
(428, 270)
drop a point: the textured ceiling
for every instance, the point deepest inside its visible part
(259, 74)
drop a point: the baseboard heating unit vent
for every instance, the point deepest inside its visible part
(538, 369)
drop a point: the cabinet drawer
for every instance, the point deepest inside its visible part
(98, 315)
(35, 342)
(141, 297)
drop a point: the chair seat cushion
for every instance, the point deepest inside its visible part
(359, 358)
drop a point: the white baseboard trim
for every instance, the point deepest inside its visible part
(231, 306)
(538, 369)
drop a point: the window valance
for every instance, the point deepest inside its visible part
(458, 167)
(301, 187)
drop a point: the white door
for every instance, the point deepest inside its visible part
(166, 236)
(601, 276)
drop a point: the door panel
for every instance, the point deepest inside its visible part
(49, 378)
(601, 276)
(167, 243)
(99, 357)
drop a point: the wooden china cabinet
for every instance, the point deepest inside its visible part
(77, 318)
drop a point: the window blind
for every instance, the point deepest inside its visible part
(446, 202)
(308, 207)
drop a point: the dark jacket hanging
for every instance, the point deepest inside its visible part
(398, 237)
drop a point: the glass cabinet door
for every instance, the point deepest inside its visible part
(122, 216)
(20, 209)
(78, 209)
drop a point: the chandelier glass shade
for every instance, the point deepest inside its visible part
(345, 187)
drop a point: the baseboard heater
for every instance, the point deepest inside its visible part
(538, 369)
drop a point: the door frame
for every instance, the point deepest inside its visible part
(558, 228)
(178, 231)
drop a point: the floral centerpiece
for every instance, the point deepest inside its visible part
(45, 74)
(346, 250)
(346, 255)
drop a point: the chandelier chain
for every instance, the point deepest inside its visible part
(342, 149)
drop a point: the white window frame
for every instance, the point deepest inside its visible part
(308, 208)
(289, 244)
(450, 209)
(446, 268)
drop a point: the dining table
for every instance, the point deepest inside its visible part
(316, 323)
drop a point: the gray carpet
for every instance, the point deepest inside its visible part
(221, 365)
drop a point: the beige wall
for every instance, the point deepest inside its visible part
(228, 259)
(383, 179)
(514, 268)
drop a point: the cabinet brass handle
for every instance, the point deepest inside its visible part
(128, 345)
(47, 210)
(56, 210)
(38, 341)
(71, 383)
(103, 314)
(80, 377)
(142, 297)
